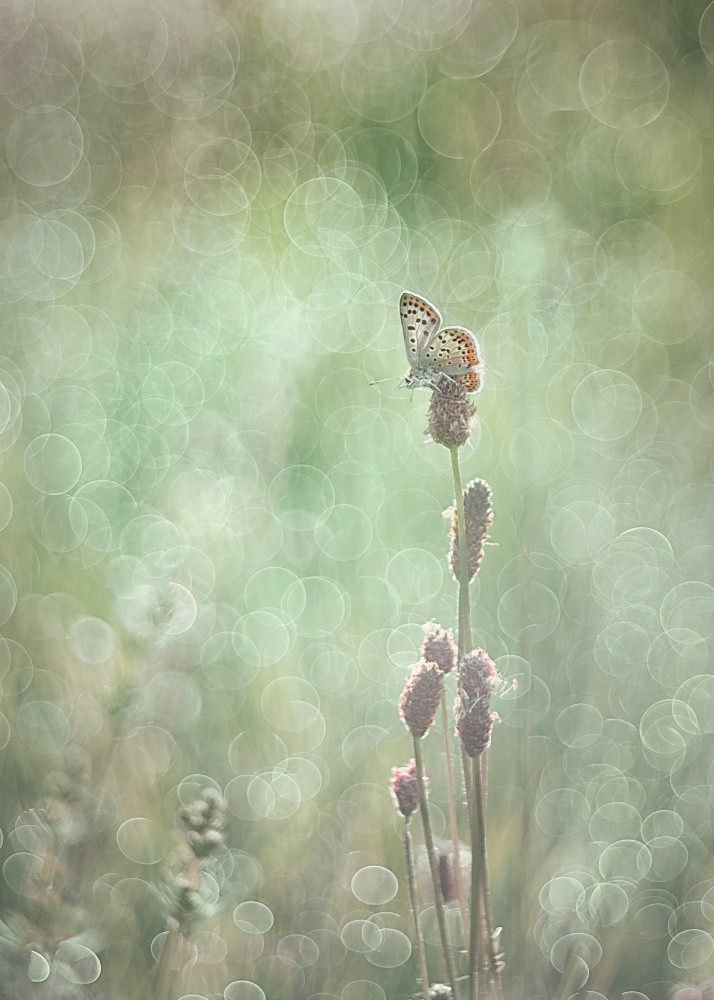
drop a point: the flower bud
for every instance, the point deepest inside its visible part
(478, 517)
(420, 698)
(405, 788)
(203, 821)
(478, 680)
(439, 647)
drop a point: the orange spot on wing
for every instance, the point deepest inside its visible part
(470, 352)
(470, 381)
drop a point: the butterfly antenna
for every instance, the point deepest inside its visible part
(377, 381)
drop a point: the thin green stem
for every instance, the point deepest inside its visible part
(431, 855)
(464, 603)
(474, 936)
(466, 765)
(464, 647)
(482, 766)
(475, 788)
(464, 644)
(411, 881)
(453, 820)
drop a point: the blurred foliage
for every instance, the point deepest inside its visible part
(220, 542)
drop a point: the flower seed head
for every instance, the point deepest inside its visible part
(439, 647)
(478, 516)
(450, 418)
(478, 681)
(474, 729)
(420, 697)
(478, 677)
(203, 820)
(405, 789)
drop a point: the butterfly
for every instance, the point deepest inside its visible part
(444, 359)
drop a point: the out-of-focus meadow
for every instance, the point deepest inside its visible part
(219, 543)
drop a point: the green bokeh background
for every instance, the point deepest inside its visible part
(220, 542)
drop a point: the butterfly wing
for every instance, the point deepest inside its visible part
(456, 352)
(420, 321)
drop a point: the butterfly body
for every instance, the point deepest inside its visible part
(443, 359)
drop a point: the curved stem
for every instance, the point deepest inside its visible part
(431, 855)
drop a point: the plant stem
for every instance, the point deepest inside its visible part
(464, 604)
(474, 936)
(453, 820)
(464, 643)
(464, 647)
(166, 970)
(466, 765)
(480, 891)
(411, 881)
(482, 767)
(469, 767)
(431, 855)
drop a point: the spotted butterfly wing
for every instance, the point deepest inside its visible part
(455, 351)
(420, 321)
